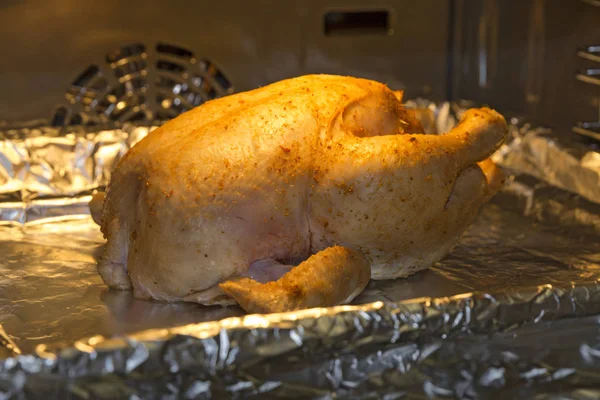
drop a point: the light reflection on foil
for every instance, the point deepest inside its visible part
(61, 169)
(427, 335)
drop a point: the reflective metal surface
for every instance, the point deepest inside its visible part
(530, 329)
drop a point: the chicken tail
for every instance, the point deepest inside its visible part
(333, 276)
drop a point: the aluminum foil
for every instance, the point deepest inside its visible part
(466, 346)
(512, 312)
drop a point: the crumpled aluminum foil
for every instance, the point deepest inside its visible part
(46, 173)
(522, 319)
(466, 346)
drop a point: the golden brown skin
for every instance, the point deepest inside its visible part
(282, 173)
(330, 277)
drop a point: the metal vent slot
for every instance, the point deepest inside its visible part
(174, 50)
(141, 84)
(357, 22)
(60, 116)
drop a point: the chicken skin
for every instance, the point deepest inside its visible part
(293, 195)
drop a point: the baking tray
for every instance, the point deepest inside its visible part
(493, 317)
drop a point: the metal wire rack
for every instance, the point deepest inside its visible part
(590, 76)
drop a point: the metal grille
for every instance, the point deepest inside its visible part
(140, 84)
(590, 76)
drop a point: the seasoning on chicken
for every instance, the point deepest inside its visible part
(328, 173)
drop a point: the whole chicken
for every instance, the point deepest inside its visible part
(293, 195)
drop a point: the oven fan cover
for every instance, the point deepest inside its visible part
(141, 84)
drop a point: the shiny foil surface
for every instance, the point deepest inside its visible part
(512, 312)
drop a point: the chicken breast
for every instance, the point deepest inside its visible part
(293, 195)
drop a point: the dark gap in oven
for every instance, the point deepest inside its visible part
(60, 116)
(174, 50)
(86, 76)
(169, 66)
(356, 22)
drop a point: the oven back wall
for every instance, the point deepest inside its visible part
(46, 44)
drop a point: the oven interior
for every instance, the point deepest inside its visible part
(516, 320)
(74, 63)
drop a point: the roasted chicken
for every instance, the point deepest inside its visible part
(292, 196)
